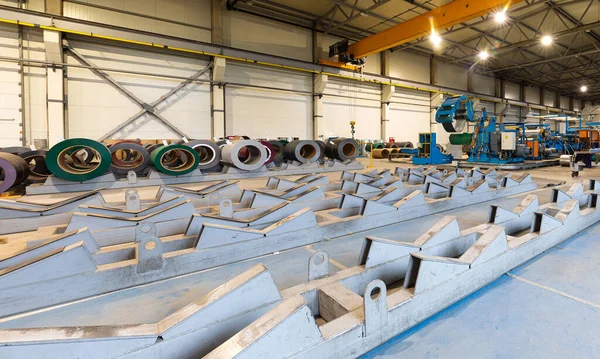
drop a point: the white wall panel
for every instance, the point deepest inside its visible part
(532, 94)
(577, 104)
(450, 75)
(409, 66)
(360, 103)
(10, 101)
(409, 115)
(484, 84)
(261, 113)
(193, 12)
(564, 102)
(261, 35)
(512, 91)
(35, 87)
(95, 106)
(549, 97)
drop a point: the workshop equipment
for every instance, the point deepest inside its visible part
(428, 152)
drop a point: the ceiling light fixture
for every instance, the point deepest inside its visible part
(500, 17)
(435, 39)
(483, 55)
(546, 40)
(583, 88)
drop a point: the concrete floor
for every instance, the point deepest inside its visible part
(548, 307)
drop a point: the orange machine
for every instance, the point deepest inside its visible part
(590, 138)
(534, 144)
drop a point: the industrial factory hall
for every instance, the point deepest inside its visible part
(375, 179)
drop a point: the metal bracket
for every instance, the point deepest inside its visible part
(318, 265)
(149, 250)
(375, 303)
(132, 200)
(226, 208)
(131, 177)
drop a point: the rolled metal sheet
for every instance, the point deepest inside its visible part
(246, 155)
(270, 151)
(137, 158)
(461, 138)
(391, 145)
(381, 152)
(406, 144)
(61, 164)
(36, 160)
(208, 152)
(14, 169)
(370, 146)
(15, 150)
(175, 160)
(278, 149)
(303, 151)
(322, 147)
(153, 147)
(565, 160)
(342, 149)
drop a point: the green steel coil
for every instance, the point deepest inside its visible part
(284, 142)
(461, 138)
(60, 163)
(188, 159)
(371, 146)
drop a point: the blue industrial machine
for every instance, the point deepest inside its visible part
(454, 113)
(428, 152)
(496, 142)
(491, 142)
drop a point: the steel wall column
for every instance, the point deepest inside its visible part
(218, 97)
(216, 22)
(54, 87)
(319, 84)
(386, 94)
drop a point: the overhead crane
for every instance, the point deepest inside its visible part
(450, 14)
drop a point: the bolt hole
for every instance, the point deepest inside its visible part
(375, 293)
(132, 198)
(150, 245)
(319, 259)
(146, 229)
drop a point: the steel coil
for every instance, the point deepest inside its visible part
(14, 169)
(391, 145)
(36, 160)
(175, 160)
(381, 153)
(208, 152)
(246, 155)
(128, 156)
(278, 149)
(63, 162)
(406, 144)
(270, 151)
(342, 149)
(371, 146)
(565, 160)
(303, 151)
(322, 147)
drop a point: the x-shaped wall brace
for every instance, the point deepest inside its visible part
(149, 108)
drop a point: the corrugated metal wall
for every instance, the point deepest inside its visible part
(409, 114)
(160, 15)
(10, 89)
(358, 102)
(95, 106)
(264, 113)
